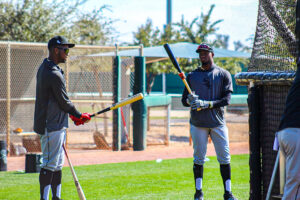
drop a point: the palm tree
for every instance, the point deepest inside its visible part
(200, 28)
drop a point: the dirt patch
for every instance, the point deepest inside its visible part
(82, 148)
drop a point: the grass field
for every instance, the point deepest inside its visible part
(169, 179)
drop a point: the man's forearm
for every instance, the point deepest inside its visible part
(222, 102)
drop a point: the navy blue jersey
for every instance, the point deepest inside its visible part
(213, 85)
(291, 115)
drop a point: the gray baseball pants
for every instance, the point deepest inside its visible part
(289, 143)
(219, 137)
(53, 153)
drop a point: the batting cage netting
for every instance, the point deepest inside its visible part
(269, 77)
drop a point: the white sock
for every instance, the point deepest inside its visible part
(58, 191)
(198, 183)
(46, 192)
(228, 185)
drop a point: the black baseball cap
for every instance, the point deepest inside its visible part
(204, 47)
(59, 40)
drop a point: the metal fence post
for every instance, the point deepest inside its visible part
(117, 97)
(168, 107)
(8, 100)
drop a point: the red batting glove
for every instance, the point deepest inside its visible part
(76, 120)
(73, 118)
(85, 117)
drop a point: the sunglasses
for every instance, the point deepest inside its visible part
(66, 50)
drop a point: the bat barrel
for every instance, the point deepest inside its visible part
(172, 57)
(124, 102)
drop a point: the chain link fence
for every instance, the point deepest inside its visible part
(89, 81)
(88, 74)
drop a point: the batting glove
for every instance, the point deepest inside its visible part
(201, 104)
(85, 117)
(76, 120)
(73, 118)
(191, 98)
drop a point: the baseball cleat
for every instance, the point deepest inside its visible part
(229, 196)
(198, 195)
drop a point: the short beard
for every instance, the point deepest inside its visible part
(62, 60)
(205, 63)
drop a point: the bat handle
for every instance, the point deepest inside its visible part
(100, 112)
(189, 89)
(187, 86)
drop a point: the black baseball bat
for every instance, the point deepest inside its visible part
(176, 65)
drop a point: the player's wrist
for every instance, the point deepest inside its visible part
(210, 104)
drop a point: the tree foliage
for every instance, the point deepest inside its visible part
(93, 28)
(196, 31)
(149, 36)
(239, 46)
(200, 28)
(39, 20)
(233, 65)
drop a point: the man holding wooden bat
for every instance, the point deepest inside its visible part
(52, 108)
(212, 88)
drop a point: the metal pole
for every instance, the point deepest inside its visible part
(273, 176)
(164, 83)
(67, 89)
(281, 172)
(168, 124)
(169, 12)
(116, 137)
(141, 50)
(8, 100)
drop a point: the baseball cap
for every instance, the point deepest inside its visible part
(59, 40)
(204, 47)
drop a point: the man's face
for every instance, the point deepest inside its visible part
(206, 57)
(62, 53)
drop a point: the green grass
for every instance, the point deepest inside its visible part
(169, 179)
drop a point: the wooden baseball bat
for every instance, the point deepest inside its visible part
(77, 184)
(124, 102)
(180, 73)
(176, 65)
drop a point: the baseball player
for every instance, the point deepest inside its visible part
(289, 130)
(52, 107)
(212, 88)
